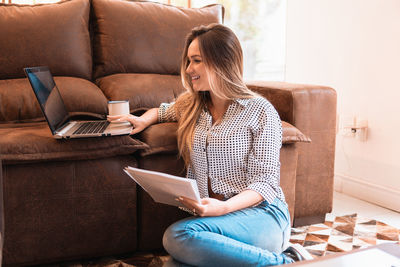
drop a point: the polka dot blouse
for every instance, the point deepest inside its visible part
(240, 152)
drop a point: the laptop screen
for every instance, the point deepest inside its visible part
(48, 96)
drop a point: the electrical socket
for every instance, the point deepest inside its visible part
(346, 123)
(353, 126)
(361, 128)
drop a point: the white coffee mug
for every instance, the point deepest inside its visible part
(120, 107)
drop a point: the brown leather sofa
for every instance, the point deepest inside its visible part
(70, 199)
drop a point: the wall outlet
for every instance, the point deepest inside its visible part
(361, 129)
(352, 126)
(346, 124)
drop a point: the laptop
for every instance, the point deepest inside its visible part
(56, 114)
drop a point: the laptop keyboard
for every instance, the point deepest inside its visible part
(92, 127)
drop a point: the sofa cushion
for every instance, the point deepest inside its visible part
(144, 37)
(18, 102)
(291, 134)
(33, 142)
(56, 35)
(142, 90)
(80, 95)
(161, 137)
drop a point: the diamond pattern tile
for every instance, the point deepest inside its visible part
(343, 233)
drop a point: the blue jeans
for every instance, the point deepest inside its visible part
(254, 236)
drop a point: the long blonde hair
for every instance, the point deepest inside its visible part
(223, 59)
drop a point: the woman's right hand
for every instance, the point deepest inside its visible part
(138, 123)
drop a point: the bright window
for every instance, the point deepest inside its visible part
(261, 28)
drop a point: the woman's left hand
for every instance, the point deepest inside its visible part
(207, 207)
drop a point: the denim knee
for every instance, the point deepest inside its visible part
(176, 238)
(168, 239)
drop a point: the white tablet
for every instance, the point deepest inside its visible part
(164, 188)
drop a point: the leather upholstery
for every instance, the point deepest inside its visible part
(122, 41)
(81, 95)
(155, 217)
(58, 210)
(291, 134)
(19, 103)
(288, 159)
(161, 139)
(142, 90)
(34, 143)
(54, 35)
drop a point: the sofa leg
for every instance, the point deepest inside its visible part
(308, 220)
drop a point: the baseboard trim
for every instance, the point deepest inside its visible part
(377, 194)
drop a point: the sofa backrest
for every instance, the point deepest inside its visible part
(128, 38)
(56, 35)
(144, 37)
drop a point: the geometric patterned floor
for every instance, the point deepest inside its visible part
(343, 233)
(336, 234)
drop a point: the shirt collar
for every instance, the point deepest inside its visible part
(242, 101)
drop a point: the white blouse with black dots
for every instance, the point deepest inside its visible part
(241, 152)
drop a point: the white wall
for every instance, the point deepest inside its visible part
(354, 47)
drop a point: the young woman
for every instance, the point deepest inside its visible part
(230, 139)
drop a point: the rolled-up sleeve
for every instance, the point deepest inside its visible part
(167, 112)
(263, 162)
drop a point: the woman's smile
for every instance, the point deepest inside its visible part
(195, 78)
(196, 68)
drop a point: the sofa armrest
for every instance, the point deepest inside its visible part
(312, 110)
(308, 107)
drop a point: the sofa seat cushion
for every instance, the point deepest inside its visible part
(18, 102)
(144, 37)
(142, 90)
(33, 142)
(55, 35)
(161, 137)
